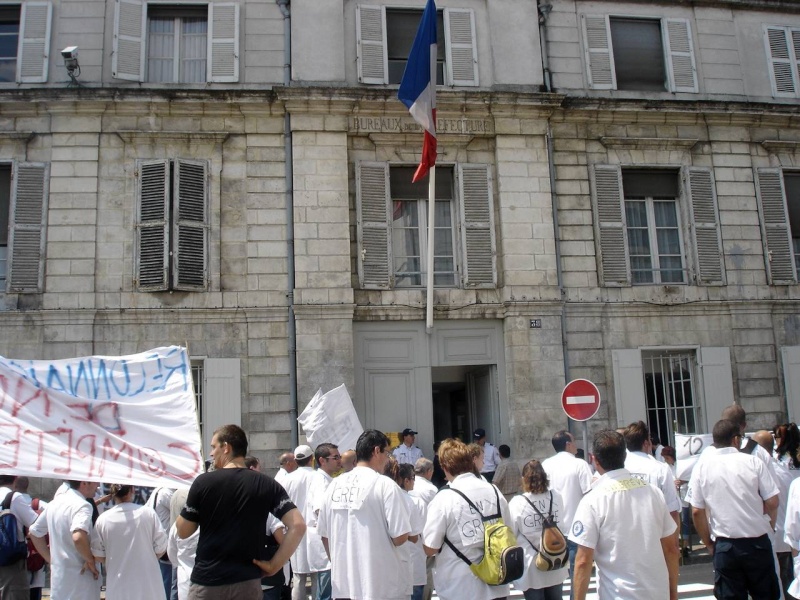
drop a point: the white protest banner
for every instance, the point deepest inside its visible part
(331, 418)
(116, 419)
(688, 448)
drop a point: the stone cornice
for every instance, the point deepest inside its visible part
(139, 137)
(776, 146)
(647, 143)
(324, 311)
(761, 5)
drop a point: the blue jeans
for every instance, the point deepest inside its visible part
(418, 590)
(573, 550)
(273, 593)
(323, 585)
(166, 577)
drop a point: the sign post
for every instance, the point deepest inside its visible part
(581, 401)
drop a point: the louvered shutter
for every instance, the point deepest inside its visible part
(34, 46)
(629, 394)
(190, 225)
(130, 25)
(610, 225)
(152, 229)
(374, 225)
(461, 49)
(27, 227)
(775, 226)
(371, 51)
(599, 52)
(705, 225)
(223, 43)
(477, 226)
(680, 56)
(783, 65)
(717, 382)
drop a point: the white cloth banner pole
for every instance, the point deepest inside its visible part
(331, 418)
(431, 230)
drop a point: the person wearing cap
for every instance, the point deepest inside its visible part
(407, 453)
(491, 457)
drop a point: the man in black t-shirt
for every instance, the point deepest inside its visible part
(231, 505)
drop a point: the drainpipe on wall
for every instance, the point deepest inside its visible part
(544, 11)
(289, 175)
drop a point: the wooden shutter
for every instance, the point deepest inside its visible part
(222, 395)
(34, 45)
(599, 52)
(190, 225)
(371, 51)
(717, 379)
(130, 26)
(680, 56)
(705, 225)
(629, 394)
(461, 49)
(477, 226)
(783, 64)
(223, 43)
(790, 360)
(374, 225)
(776, 235)
(609, 219)
(152, 229)
(27, 227)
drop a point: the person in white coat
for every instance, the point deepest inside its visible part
(129, 539)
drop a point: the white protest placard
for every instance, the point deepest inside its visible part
(331, 418)
(688, 448)
(115, 419)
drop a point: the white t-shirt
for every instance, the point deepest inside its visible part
(527, 526)
(417, 512)
(317, 557)
(647, 468)
(310, 554)
(20, 508)
(783, 479)
(281, 475)
(68, 512)
(449, 515)
(159, 501)
(273, 525)
(423, 489)
(131, 538)
(569, 476)
(791, 534)
(406, 455)
(361, 514)
(491, 458)
(182, 553)
(732, 487)
(623, 519)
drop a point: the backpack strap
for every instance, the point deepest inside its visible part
(749, 446)
(533, 506)
(456, 551)
(6, 505)
(475, 508)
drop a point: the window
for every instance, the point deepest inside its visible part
(23, 223)
(172, 227)
(25, 41)
(5, 210)
(640, 231)
(778, 194)
(384, 39)
(669, 383)
(783, 52)
(9, 39)
(176, 43)
(198, 379)
(641, 54)
(392, 227)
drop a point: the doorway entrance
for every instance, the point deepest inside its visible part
(464, 398)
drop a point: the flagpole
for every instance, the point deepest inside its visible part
(431, 229)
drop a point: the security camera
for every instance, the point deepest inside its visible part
(70, 52)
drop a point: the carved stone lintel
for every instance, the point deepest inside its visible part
(134, 136)
(642, 143)
(775, 146)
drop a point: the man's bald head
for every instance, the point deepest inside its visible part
(348, 460)
(764, 439)
(288, 462)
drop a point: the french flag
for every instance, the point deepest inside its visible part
(418, 87)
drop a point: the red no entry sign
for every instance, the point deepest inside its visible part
(580, 399)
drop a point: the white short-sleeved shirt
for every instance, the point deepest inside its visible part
(527, 526)
(20, 508)
(182, 553)
(131, 539)
(623, 519)
(310, 555)
(361, 514)
(569, 476)
(406, 455)
(491, 458)
(68, 512)
(449, 515)
(783, 479)
(791, 533)
(317, 557)
(159, 501)
(647, 468)
(273, 525)
(732, 487)
(423, 489)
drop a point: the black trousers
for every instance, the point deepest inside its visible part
(745, 566)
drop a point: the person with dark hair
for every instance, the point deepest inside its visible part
(230, 505)
(452, 528)
(417, 510)
(407, 452)
(438, 479)
(252, 463)
(491, 457)
(527, 526)
(329, 461)
(160, 500)
(787, 446)
(129, 539)
(737, 415)
(14, 580)
(731, 493)
(507, 476)
(67, 519)
(623, 525)
(363, 521)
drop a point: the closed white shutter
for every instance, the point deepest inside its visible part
(680, 56)
(27, 227)
(461, 49)
(223, 42)
(374, 225)
(776, 235)
(371, 52)
(717, 377)
(190, 229)
(609, 221)
(705, 225)
(34, 45)
(477, 226)
(152, 228)
(629, 394)
(222, 396)
(782, 61)
(130, 26)
(598, 52)
(790, 360)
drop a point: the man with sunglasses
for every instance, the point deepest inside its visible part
(329, 461)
